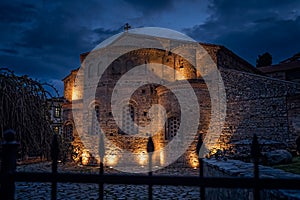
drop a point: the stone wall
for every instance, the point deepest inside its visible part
(69, 85)
(236, 168)
(293, 107)
(258, 105)
(224, 58)
(255, 104)
(168, 100)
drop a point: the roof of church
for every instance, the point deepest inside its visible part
(148, 32)
(213, 49)
(74, 71)
(220, 49)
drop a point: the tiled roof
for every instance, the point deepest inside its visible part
(284, 66)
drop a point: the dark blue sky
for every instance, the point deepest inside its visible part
(44, 38)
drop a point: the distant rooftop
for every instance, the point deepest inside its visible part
(294, 58)
(285, 65)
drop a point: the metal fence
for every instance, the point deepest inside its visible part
(9, 175)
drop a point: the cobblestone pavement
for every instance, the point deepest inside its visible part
(25, 190)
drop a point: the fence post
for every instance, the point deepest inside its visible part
(8, 164)
(255, 153)
(54, 157)
(150, 150)
(101, 169)
(201, 174)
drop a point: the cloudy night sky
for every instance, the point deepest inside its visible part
(44, 38)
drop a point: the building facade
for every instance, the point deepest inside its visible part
(256, 104)
(55, 111)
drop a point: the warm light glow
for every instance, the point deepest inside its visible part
(76, 155)
(162, 158)
(85, 157)
(75, 94)
(142, 158)
(180, 75)
(213, 150)
(194, 163)
(111, 160)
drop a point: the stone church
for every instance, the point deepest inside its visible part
(255, 104)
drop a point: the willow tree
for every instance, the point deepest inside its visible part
(23, 103)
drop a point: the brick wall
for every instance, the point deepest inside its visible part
(255, 104)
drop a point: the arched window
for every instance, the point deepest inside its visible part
(95, 119)
(68, 133)
(172, 127)
(127, 125)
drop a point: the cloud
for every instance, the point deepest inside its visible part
(44, 38)
(101, 33)
(16, 13)
(252, 27)
(57, 84)
(151, 6)
(34, 67)
(240, 10)
(9, 51)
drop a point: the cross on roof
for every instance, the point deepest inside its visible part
(127, 27)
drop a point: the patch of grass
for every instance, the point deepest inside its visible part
(293, 167)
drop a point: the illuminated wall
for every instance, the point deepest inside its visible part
(255, 104)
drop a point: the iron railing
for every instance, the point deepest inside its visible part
(9, 175)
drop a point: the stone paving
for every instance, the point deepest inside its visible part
(237, 168)
(25, 190)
